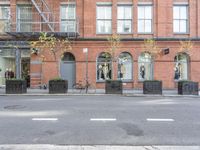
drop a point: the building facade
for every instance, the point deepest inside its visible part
(88, 23)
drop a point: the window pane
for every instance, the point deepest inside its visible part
(100, 12)
(128, 13)
(120, 25)
(125, 66)
(108, 14)
(107, 26)
(120, 12)
(140, 25)
(100, 27)
(140, 12)
(183, 12)
(4, 12)
(176, 13)
(183, 26)
(104, 67)
(148, 12)
(176, 25)
(63, 12)
(71, 13)
(147, 25)
(127, 26)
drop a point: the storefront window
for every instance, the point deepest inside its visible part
(125, 66)
(145, 67)
(181, 67)
(104, 67)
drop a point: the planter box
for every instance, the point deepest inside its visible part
(188, 88)
(58, 86)
(152, 87)
(16, 86)
(113, 87)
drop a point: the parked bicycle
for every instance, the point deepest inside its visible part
(87, 87)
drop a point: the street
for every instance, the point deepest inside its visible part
(100, 120)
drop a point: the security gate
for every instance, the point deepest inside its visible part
(68, 69)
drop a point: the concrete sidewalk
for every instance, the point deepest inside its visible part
(126, 92)
(95, 147)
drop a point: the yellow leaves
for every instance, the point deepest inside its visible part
(51, 43)
(114, 44)
(150, 46)
(185, 47)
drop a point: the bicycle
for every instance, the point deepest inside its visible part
(88, 87)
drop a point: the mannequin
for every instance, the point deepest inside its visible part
(142, 71)
(105, 71)
(7, 74)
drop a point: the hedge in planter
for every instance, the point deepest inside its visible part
(152, 87)
(16, 86)
(58, 86)
(113, 87)
(188, 88)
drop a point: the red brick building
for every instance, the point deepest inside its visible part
(88, 23)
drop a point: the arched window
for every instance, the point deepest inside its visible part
(68, 57)
(145, 67)
(181, 67)
(104, 67)
(125, 65)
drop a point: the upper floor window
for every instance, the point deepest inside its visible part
(4, 18)
(124, 19)
(24, 18)
(180, 19)
(144, 18)
(104, 19)
(68, 18)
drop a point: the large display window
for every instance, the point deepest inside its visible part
(145, 67)
(125, 65)
(104, 67)
(181, 67)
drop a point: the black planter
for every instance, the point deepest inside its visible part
(152, 87)
(113, 87)
(16, 86)
(58, 86)
(188, 88)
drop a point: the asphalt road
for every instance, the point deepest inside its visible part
(99, 120)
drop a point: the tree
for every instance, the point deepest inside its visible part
(150, 46)
(113, 44)
(185, 47)
(50, 44)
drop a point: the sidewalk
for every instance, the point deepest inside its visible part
(126, 92)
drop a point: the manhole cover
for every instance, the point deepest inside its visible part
(14, 107)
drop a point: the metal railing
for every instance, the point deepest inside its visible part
(36, 24)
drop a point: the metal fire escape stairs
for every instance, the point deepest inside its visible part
(45, 12)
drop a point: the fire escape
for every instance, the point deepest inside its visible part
(45, 13)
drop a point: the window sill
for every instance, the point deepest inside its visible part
(145, 33)
(181, 33)
(123, 81)
(103, 33)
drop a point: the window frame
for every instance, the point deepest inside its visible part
(151, 62)
(110, 20)
(98, 62)
(179, 20)
(138, 19)
(132, 64)
(124, 20)
(182, 62)
(62, 21)
(6, 20)
(27, 21)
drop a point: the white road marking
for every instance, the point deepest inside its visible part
(103, 119)
(158, 119)
(45, 119)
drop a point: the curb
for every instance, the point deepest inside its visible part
(125, 95)
(94, 147)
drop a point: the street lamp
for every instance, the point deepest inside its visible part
(85, 50)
